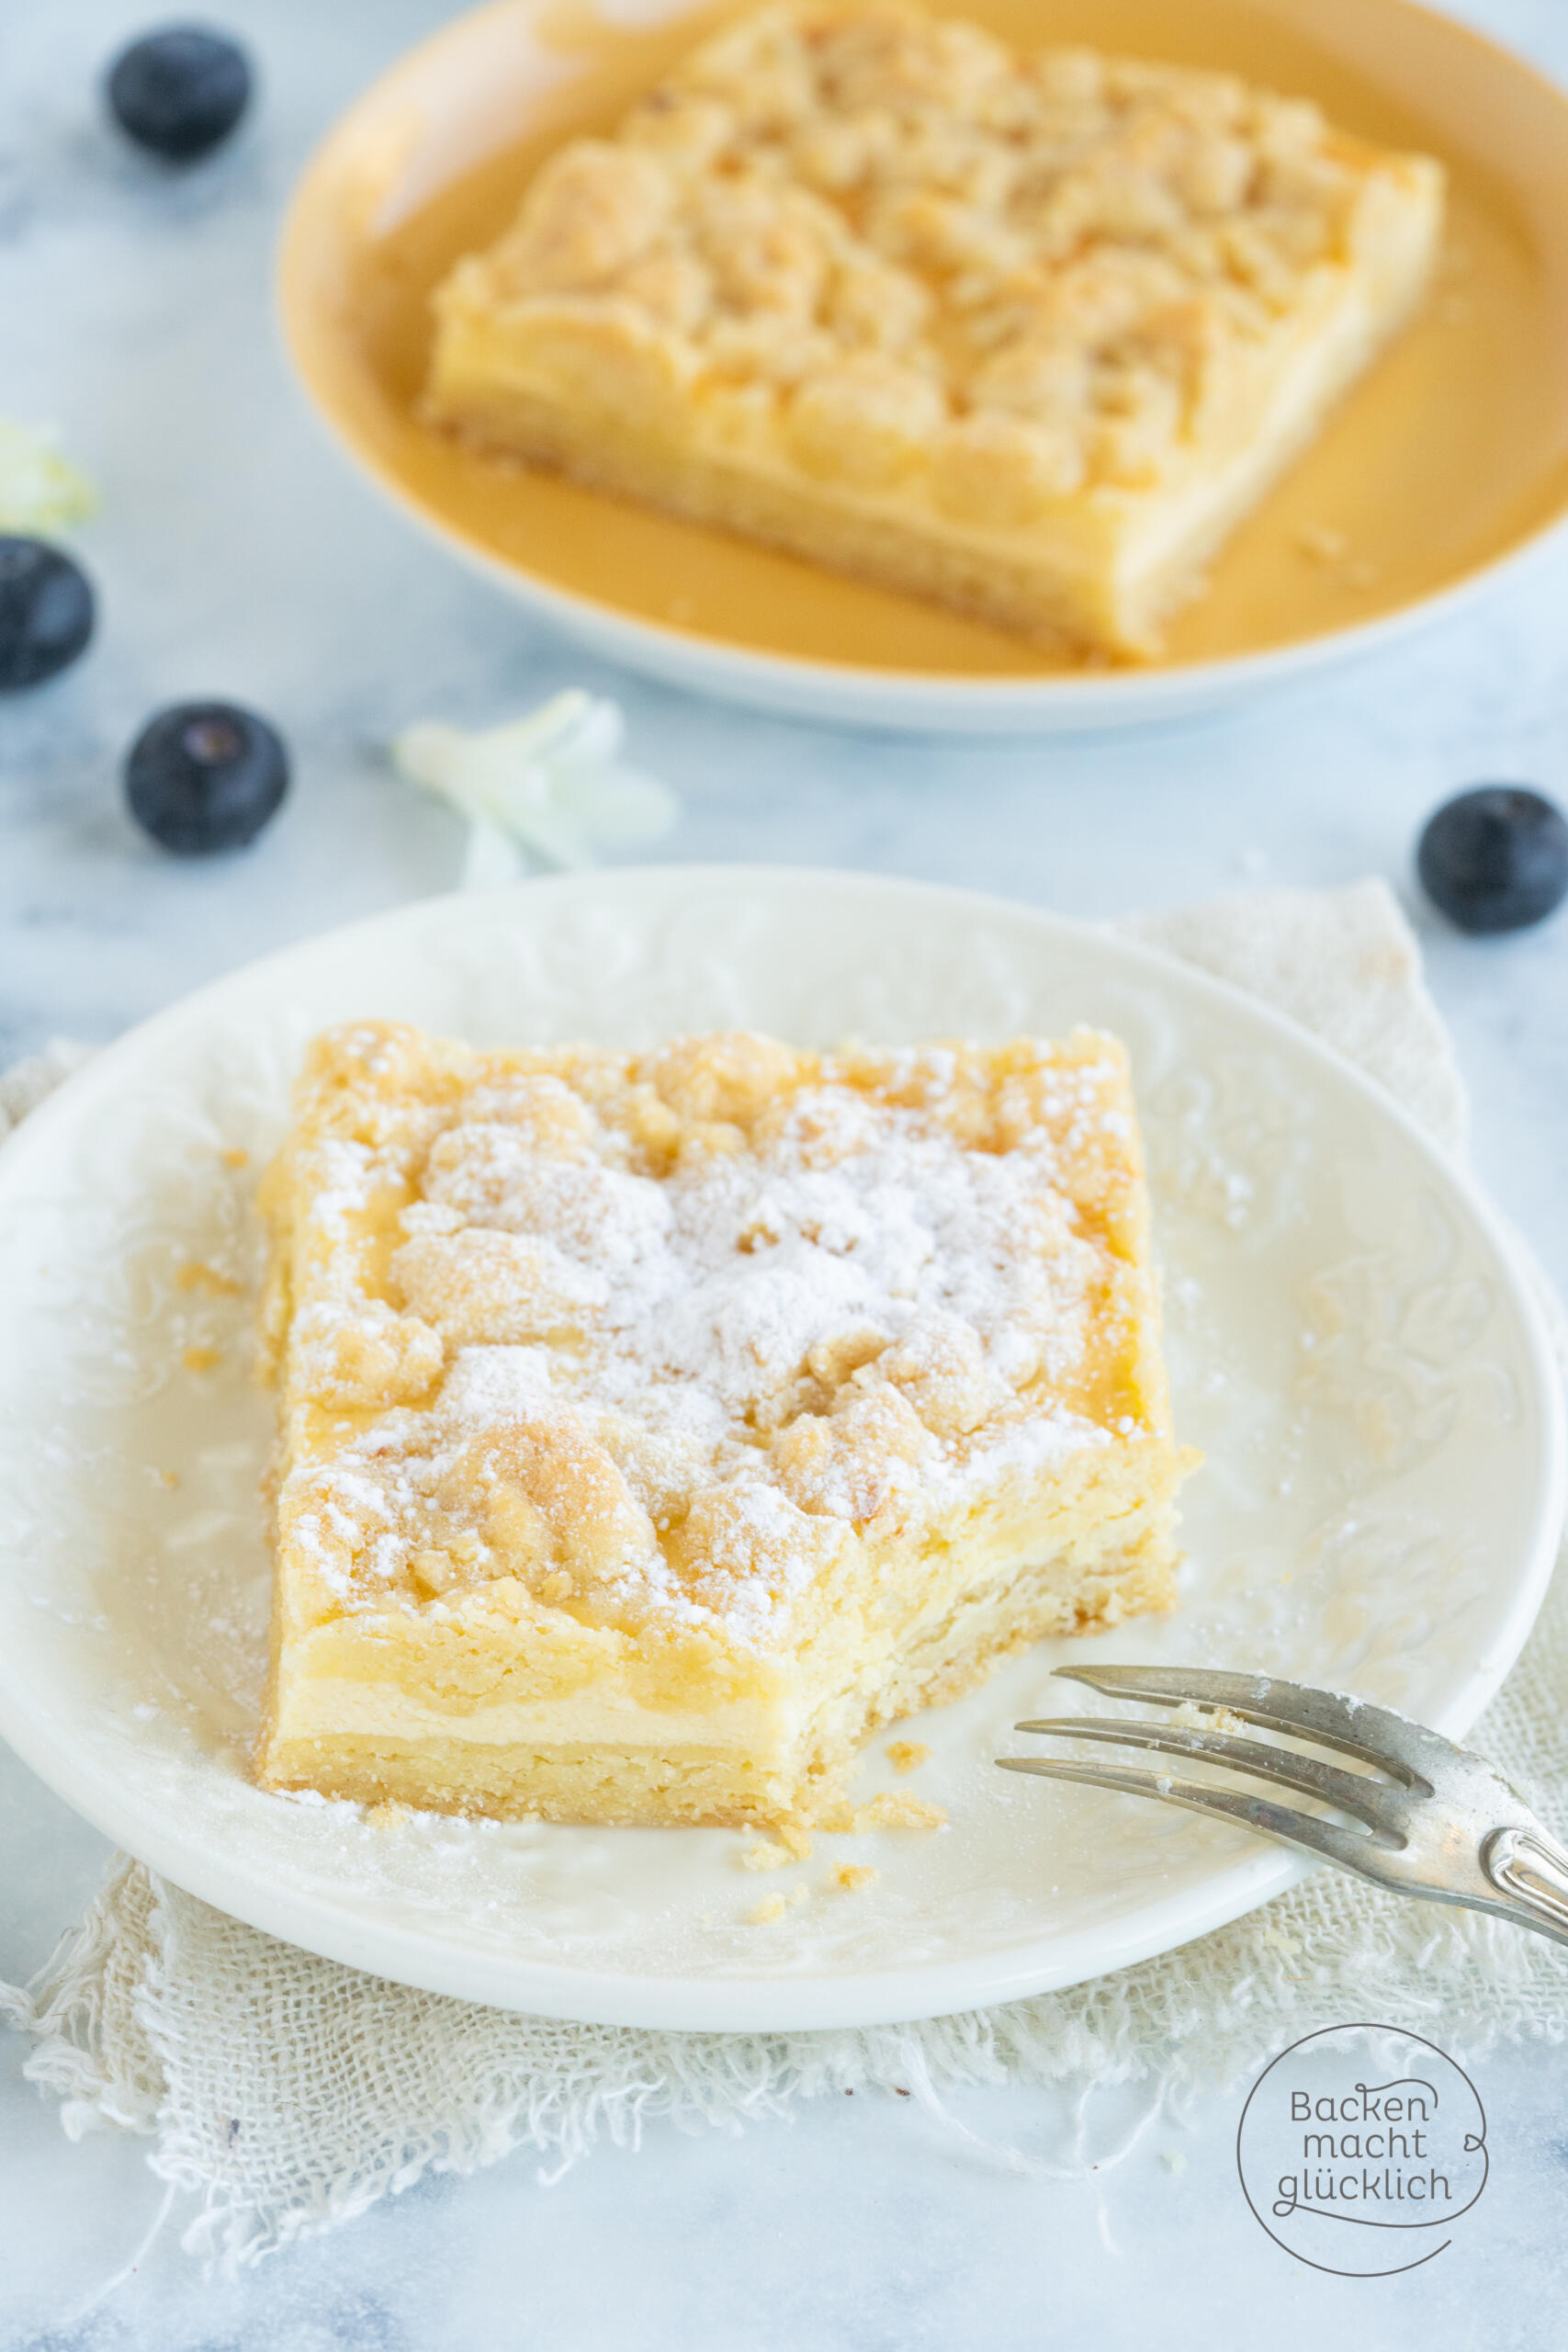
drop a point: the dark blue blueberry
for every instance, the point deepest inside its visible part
(1495, 858)
(46, 612)
(205, 776)
(179, 91)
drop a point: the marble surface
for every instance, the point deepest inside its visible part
(236, 556)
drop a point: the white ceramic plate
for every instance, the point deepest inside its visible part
(1349, 1342)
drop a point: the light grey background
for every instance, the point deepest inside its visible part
(236, 556)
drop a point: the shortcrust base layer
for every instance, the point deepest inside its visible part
(1058, 591)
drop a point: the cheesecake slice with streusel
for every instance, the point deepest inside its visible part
(653, 1425)
(1025, 332)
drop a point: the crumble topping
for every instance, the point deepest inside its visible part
(891, 247)
(655, 1336)
(850, 1877)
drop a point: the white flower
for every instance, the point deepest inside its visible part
(40, 490)
(552, 784)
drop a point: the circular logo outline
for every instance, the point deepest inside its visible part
(1400, 2271)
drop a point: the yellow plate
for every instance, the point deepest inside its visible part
(1450, 456)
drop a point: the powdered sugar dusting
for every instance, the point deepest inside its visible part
(677, 1393)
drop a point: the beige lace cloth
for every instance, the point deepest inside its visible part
(285, 2094)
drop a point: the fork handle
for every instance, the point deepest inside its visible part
(1534, 1875)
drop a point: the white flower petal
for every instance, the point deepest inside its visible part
(428, 754)
(623, 805)
(493, 858)
(550, 784)
(570, 728)
(40, 490)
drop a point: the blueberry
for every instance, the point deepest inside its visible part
(179, 91)
(1495, 858)
(46, 612)
(205, 776)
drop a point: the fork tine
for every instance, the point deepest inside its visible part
(1353, 1726)
(1382, 1808)
(1349, 1847)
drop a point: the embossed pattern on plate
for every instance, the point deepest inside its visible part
(1347, 1339)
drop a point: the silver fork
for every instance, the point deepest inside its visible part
(1442, 1824)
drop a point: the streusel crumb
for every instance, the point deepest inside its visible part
(871, 285)
(909, 244)
(889, 1812)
